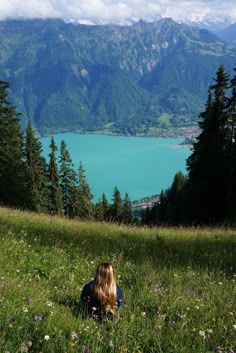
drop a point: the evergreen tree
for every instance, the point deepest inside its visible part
(127, 210)
(37, 179)
(102, 209)
(13, 172)
(69, 183)
(176, 200)
(146, 219)
(105, 208)
(207, 165)
(117, 206)
(85, 206)
(55, 195)
(159, 212)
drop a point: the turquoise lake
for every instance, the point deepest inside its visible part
(138, 165)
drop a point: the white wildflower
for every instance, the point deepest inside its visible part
(202, 334)
(74, 335)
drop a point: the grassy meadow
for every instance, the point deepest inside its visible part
(179, 287)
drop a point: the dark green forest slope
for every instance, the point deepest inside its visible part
(68, 77)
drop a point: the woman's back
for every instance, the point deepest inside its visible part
(101, 298)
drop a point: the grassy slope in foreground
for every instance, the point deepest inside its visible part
(179, 286)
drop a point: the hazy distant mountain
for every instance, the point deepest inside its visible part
(211, 23)
(66, 77)
(228, 34)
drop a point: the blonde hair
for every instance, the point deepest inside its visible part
(104, 287)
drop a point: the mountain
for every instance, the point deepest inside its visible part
(211, 23)
(68, 77)
(228, 34)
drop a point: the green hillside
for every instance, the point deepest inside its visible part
(74, 77)
(178, 284)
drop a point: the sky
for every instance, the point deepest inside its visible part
(112, 10)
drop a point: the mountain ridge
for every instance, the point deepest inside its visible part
(148, 75)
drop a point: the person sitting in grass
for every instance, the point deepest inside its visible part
(101, 298)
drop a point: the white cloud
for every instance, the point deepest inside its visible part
(115, 9)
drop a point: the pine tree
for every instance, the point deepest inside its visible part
(207, 165)
(36, 166)
(127, 210)
(116, 207)
(105, 208)
(55, 195)
(69, 183)
(175, 200)
(102, 209)
(85, 205)
(13, 172)
(159, 212)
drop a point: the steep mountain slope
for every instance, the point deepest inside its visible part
(228, 34)
(69, 77)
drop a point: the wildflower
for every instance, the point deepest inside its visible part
(74, 335)
(111, 344)
(25, 310)
(39, 317)
(143, 314)
(49, 303)
(24, 348)
(46, 337)
(85, 350)
(29, 300)
(202, 334)
(209, 330)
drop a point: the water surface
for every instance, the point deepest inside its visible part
(138, 165)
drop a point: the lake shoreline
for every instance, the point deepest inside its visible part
(188, 133)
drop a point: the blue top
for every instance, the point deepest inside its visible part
(92, 305)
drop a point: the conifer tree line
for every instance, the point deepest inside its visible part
(207, 194)
(27, 181)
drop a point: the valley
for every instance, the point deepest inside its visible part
(143, 79)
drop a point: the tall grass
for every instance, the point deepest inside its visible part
(178, 284)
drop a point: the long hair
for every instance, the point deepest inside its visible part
(104, 288)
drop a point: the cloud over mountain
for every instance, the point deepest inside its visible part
(115, 9)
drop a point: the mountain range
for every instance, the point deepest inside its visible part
(211, 23)
(123, 79)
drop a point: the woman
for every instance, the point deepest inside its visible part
(101, 297)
